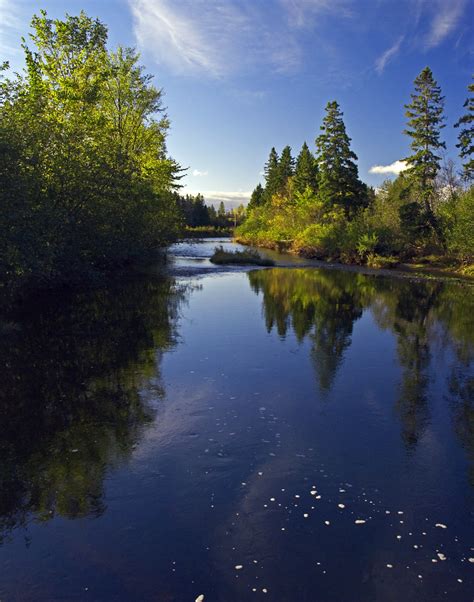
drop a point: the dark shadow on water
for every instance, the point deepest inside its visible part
(72, 398)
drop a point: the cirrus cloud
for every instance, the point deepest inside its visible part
(216, 37)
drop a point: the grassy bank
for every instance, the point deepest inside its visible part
(432, 265)
(247, 257)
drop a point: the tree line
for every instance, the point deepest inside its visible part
(317, 205)
(86, 183)
(199, 216)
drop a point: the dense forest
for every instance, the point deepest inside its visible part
(86, 183)
(317, 206)
(200, 218)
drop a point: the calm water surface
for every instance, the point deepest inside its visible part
(283, 435)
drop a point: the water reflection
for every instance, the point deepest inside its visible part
(73, 400)
(323, 306)
(329, 469)
(320, 305)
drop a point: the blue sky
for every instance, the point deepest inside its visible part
(241, 76)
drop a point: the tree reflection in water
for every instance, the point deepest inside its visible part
(73, 403)
(323, 306)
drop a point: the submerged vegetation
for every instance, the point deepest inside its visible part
(318, 207)
(86, 183)
(246, 257)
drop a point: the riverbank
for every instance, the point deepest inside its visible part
(425, 267)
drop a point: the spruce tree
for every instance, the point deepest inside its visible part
(425, 120)
(272, 176)
(257, 197)
(305, 171)
(466, 136)
(338, 178)
(286, 168)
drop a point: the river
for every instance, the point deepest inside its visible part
(288, 434)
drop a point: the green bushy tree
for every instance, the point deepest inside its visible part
(338, 178)
(425, 121)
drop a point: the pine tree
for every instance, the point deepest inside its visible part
(425, 120)
(257, 197)
(338, 178)
(286, 168)
(466, 136)
(305, 171)
(272, 177)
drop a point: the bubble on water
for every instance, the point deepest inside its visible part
(390, 566)
(239, 567)
(360, 521)
(441, 526)
(340, 506)
(326, 522)
(441, 556)
(200, 598)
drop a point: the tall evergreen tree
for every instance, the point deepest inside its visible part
(305, 170)
(425, 120)
(286, 167)
(272, 176)
(257, 197)
(466, 136)
(338, 177)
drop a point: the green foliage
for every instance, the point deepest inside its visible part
(246, 257)
(461, 235)
(425, 121)
(272, 175)
(324, 211)
(306, 171)
(338, 176)
(366, 244)
(466, 136)
(85, 177)
(286, 168)
(257, 198)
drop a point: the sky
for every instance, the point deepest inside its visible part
(241, 76)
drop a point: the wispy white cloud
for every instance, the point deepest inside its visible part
(217, 37)
(198, 174)
(173, 37)
(10, 27)
(447, 15)
(301, 13)
(388, 55)
(394, 168)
